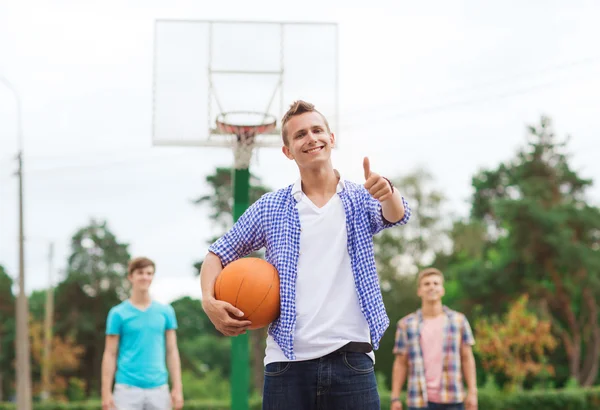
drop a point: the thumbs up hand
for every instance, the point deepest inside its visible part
(379, 187)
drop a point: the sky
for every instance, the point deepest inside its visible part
(449, 86)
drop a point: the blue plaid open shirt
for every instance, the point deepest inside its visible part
(273, 223)
(457, 331)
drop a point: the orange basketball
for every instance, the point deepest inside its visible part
(251, 285)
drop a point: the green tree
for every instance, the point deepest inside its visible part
(37, 305)
(64, 358)
(220, 203)
(95, 282)
(201, 347)
(543, 238)
(7, 334)
(220, 199)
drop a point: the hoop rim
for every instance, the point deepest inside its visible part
(269, 124)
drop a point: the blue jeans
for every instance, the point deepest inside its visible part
(440, 406)
(338, 381)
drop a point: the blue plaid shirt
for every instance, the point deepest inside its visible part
(273, 223)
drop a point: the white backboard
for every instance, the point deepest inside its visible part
(204, 68)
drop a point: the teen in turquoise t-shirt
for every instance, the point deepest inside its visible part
(141, 349)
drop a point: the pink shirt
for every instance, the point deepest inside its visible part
(432, 339)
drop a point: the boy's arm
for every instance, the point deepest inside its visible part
(246, 236)
(380, 188)
(384, 204)
(392, 208)
(174, 366)
(399, 372)
(400, 368)
(467, 361)
(469, 371)
(109, 364)
(218, 311)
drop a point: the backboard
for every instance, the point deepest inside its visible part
(203, 69)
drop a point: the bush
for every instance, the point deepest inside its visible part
(568, 399)
(210, 385)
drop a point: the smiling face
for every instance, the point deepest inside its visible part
(431, 288)
(308, 140)
(141, 278)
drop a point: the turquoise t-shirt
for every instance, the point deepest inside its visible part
(142, 344)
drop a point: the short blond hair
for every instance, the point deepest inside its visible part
(429, 272)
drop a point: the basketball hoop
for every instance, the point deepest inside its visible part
(245, 125)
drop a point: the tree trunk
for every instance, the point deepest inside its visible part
(590, 370)
(572, 337)
(590, 366)
(257, 338)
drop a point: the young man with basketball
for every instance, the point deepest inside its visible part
(140, 338)
(318, 233)
(433, 350)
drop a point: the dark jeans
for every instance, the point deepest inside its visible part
(440, 406)
(338, 381)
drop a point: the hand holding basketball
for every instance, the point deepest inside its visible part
(222, 315)
(378, 186)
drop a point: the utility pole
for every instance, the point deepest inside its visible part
(23, 353)
(240, 360)
(48, 324)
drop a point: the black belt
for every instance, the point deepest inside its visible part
(356, 347)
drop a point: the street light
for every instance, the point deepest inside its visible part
(22, 342)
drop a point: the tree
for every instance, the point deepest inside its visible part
(517, 344)
(65, 357)
(220, 202)
(7, 333)
(544, 238)
(201, 347)
(95, 282)
(37, 305)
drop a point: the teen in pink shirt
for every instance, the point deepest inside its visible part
(433, 351)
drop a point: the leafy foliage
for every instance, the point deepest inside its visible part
(65, 357)
(517, 344)
(96, 280)
(543, 238)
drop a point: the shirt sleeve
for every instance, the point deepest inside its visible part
(113, 323)
(467, 333)
(171, 318)
(246, 236)
(376, 219)
(400, 341)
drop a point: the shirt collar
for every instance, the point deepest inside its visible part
(420, 312)
(297, 188)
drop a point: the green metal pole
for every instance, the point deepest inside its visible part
(240, 360)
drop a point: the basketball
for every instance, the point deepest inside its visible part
(251, 285)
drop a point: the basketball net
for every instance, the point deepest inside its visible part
(245, 134)
(242, 151)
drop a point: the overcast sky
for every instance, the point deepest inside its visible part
(448, 85)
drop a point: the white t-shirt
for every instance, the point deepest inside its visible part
(328, 313)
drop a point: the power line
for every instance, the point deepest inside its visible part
(110, 163)
(453, 104)
(457, 92)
